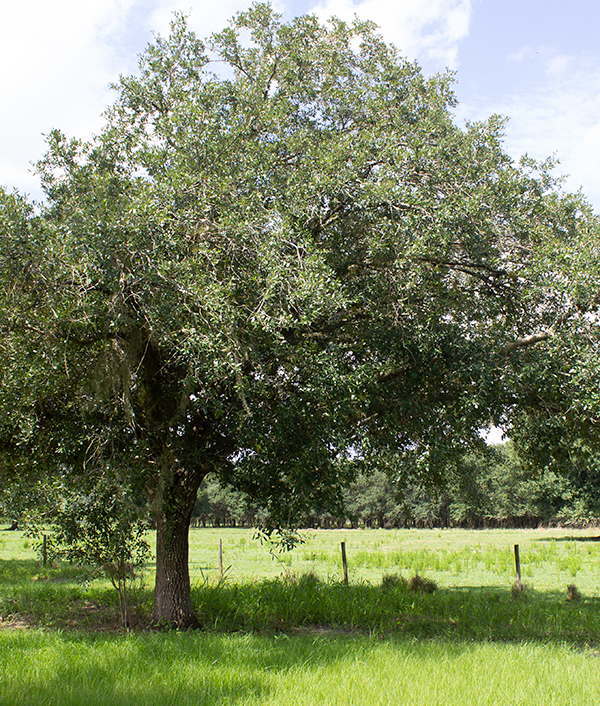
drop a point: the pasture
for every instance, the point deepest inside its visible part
(550, 558)
(284, 628)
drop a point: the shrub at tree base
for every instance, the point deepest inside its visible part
(105, 530)
(393, 581)
(421, 584)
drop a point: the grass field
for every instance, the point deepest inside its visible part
(550, 558)
(285, 630)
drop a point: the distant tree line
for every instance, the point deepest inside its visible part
(491, 488)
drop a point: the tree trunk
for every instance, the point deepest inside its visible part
(172, 595)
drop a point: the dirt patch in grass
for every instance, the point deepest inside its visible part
(326, 630)
(14, 623)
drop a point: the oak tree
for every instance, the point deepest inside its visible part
(279, 252)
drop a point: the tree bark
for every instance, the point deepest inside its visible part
(172, 593)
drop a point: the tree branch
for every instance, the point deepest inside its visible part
(524, 342)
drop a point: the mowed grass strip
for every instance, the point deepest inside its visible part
(47, 669)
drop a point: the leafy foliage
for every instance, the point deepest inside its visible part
(105, 529)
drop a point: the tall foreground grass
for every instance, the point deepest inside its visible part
(48, 669)
(450, 614)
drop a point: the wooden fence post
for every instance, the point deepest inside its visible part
(518, 567)
(344, 563)
(45, 549)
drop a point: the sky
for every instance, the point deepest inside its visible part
(536, 62)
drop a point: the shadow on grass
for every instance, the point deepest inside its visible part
(15, 571)
(572, 538)
(60, 597)
(56, 598)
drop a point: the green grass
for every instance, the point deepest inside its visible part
(273, 634)
(550, 558)
(46, 669)
(451, 614)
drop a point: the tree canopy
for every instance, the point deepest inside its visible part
(279, 253)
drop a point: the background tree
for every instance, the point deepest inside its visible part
(221, 505)
(277, 253)
(371, 500)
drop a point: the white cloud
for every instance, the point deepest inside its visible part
(559, 116)
(56, 62)
(560, 65)
(421, 29)
(522, 55)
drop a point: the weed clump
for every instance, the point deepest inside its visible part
(573, 593)
(309, 578)
(390, 582)
(421, 584)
